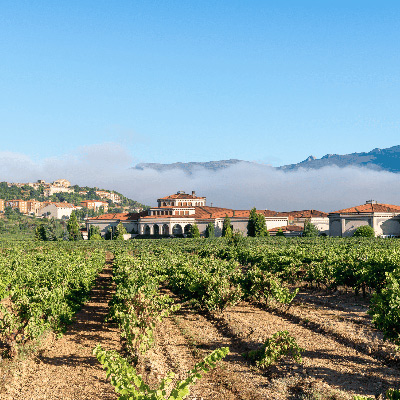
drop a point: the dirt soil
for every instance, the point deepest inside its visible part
(65, 368)
(344, 355)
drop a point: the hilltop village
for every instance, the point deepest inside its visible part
(43, 199)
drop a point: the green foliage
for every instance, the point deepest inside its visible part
(41, 288)
(366, 231)
(263, 285)
(385, 307)
(227, 228)
(210, 230)
(94, 230)
(96, 236)
(393, 394)
(280, 233)
(310, 230)
(129, 385)
(280, 345)
(194, 231)
(256, 226)
(120, 231)
(73, 228)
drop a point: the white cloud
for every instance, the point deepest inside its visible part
(241, 186)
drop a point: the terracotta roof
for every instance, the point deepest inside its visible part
(205, 212)
(288, 228)
(180, 196)
(306, 214)
(120, 216)
(201, 212)
(369, 208)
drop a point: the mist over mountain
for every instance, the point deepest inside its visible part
(190, 167)
(377, 159)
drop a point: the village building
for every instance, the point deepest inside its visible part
(57, 210)
(175, 214)
(1, 205)
(33, 207)
(384, 218)
(18, 204)
(114, 197)
(49, 191)
(94, 205)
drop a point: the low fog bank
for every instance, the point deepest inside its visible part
(241, 186)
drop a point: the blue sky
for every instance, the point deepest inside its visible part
(266, 81)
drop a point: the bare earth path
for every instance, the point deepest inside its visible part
(67, 370)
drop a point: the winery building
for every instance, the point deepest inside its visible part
(384, 218)
(175, 214)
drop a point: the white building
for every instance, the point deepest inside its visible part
(57, 210)
(47, 192)
(384, 218)
(176, 213)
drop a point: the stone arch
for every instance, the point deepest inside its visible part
(177, 230)
(187, 229)
(146, 230)
(165, 229)
(156, 230)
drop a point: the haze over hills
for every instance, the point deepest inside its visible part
(377, 159)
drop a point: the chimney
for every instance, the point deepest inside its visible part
(234, 211)
(193, 193)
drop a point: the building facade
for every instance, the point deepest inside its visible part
(94, 205)
(175, 215)
(57, 210)
(384, 218)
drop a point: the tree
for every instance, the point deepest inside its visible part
(120, 231)
(227, 228)
(40, 232)
(310, 230)
(194, 231)
(210, 230)
(364, 231)
(256, 226)
(280, 233)
(73, 227)
(94, 230)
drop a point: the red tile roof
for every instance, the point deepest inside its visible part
(369, 208)
(306, 214)
(120, 216)
(201, 212)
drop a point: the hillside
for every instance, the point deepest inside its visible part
(26, 192)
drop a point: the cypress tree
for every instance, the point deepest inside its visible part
(227, 228)
(210, 230)
(73, 227)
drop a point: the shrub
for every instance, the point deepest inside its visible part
(280, 345)
(364, 231)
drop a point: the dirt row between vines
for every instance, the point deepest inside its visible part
(332, 368)
(65, 369)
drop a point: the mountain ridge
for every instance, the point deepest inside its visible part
(377, 159)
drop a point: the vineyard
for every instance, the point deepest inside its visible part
(244, 318)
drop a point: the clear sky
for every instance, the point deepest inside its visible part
(266, 81)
